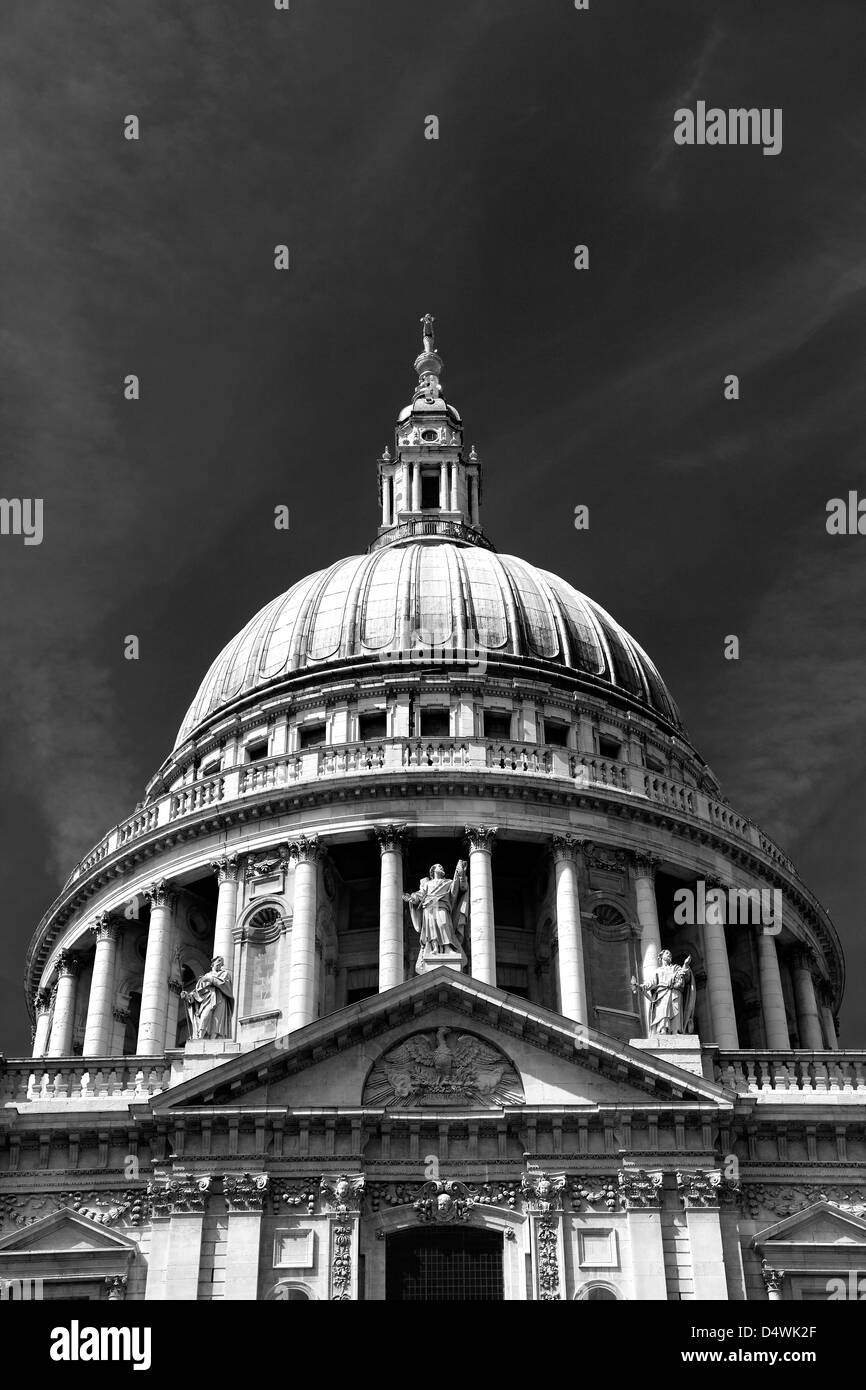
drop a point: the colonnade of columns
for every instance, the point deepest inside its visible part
(54, 1030)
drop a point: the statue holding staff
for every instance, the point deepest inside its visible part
(670, 990)
(438, 911)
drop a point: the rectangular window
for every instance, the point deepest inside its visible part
(555, 733)
(256, 751)
(429, 491)
(608, 747)
(654, 764)
(371, 725)
(497, 725)
(311, 735)
(435, 723)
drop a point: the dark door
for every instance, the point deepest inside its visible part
(442, 1263)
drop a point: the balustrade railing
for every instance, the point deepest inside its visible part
(777, 1073)
(48, 1079)
(430, 755)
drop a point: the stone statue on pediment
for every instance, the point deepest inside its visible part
(670, 990)
(438, 911)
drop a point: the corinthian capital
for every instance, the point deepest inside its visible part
(43, 1001)
(645, 865)
(68, 964)
(105, 928)
(306, 849)
(481, 837)
(245, 1191)
(564, 847)
(161, 894)
(227, 869)
(390, 837)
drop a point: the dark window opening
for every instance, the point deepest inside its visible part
(454, 1264)
(555, 734)
(429, 491)
(371, 725)
(311, 735)
(608, 748)
(257, 751)
(654, 765)
(497, 725)
(435, 723)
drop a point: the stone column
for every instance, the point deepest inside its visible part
(700, 1196)
(648, 918)
(481, 921)
(157, 968)
(245, 1194)
(416, 487)
(772, 998)
(808, 1017)
(60, 1044)
(829, 1022)
(454, 506)
(572, 984)
(43, 1022)
(641, 1194)
(719, 990)
(100, 1019)
(301, 1008)
(227, 871)
(390, 839)
(443, 486)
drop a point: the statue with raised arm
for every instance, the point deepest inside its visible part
(427, 332)
(670, 990)
(438, 911)
(210, 1003)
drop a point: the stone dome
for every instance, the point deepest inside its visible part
(362, 607)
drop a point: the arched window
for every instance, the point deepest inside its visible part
(597, 1292)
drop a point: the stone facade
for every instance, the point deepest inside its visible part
(501, 1119)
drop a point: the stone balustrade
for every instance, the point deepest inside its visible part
(768, 1074)
(432, 755)
(93, 1079)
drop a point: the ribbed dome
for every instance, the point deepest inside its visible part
(360, 607)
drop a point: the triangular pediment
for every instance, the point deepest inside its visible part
(442, 1040)
(822, 1224)
(63, 1231)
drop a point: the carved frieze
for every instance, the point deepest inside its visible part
(767, 1200)
(547, 1257)
(342, 1193)
(699, 1189)
(443, 1067)
(441, 1201)
(541, 1191)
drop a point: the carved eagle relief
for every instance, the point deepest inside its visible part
(443, 1068)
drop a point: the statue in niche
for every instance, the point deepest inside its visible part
(671, 991)
(438, 911)
(210, 1003)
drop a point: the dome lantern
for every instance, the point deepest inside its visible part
(429, 488)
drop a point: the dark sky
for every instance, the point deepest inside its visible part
(258, 388)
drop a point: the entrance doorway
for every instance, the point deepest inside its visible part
(444, 1263)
